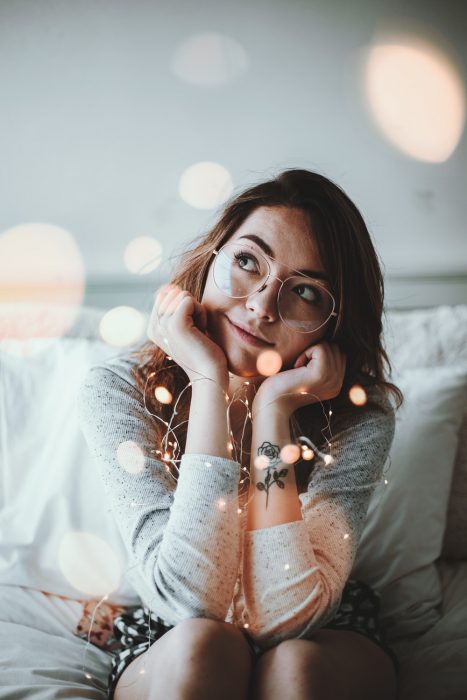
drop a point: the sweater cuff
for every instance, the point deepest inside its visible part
(207, 474)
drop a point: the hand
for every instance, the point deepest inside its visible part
(318, 372)
(178, 326)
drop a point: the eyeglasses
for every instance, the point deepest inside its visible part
(304, 304)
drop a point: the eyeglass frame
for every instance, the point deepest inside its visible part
(265, 257)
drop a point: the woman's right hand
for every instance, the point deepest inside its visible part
(178, 326)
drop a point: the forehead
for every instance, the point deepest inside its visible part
(286, 231)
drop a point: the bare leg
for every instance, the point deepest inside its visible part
(334, 665)
(196, 659)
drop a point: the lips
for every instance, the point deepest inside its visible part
(248, 337)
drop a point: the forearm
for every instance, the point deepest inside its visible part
(207, 425)
(273, 498)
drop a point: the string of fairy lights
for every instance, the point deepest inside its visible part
(303, 448)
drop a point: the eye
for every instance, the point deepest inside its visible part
(243, 256)
(311, 293)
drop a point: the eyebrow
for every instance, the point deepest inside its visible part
(269, 251)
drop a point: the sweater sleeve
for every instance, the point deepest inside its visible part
(183, 537)
(294, 573)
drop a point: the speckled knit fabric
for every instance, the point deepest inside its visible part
(191, 558)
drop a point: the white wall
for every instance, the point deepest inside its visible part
(96, 128)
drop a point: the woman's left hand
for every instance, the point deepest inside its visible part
(317, 375)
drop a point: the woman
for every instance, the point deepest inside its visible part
(244, 546)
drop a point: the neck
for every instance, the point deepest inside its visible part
(241, 390)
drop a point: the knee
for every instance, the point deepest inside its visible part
(297, 658)
(195, 637)
(298, 667)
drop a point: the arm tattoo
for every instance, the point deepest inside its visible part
(272, 475)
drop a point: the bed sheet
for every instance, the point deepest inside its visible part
(434, 665)
(40, 657)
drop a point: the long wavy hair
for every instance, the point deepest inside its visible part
(351, 263)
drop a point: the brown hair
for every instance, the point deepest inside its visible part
(352, 265)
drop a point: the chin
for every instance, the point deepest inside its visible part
(241, 371)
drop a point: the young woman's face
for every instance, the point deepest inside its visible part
(286, 231)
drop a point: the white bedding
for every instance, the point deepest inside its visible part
(434, 665)
(40, 657)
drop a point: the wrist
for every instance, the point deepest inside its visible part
(271, 406)
(203, 382)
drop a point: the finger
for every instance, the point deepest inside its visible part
(200, 315)
(167, 300)
(175, 302)
(160, 293)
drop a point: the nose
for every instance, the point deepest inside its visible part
(264, 301)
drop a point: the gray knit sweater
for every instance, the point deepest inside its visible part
(190, 558)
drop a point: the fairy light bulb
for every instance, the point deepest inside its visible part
(307, 453)
(261, 462)
(290, 454)
(268, 363)
(131, 457)
(357, 395)
(163, 395)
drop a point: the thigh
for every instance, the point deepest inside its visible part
(333, 664)
(196, 643)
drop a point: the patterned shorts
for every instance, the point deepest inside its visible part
(137, 629)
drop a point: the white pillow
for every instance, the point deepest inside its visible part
(57, 532)
(406, 518)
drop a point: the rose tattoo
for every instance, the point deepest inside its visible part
(273, 476)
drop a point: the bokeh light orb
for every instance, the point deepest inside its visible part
(416, 97)
(357, 395)
(268, 363)
(205, 185)
(42, 281)
(290, 453)
(142, 255)
(89, 563)
(131, 457)
(209, 59)
(261, 462)
(163, 395)
(122, 326)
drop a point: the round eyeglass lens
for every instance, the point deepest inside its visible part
(303, 304)
(239, 271)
